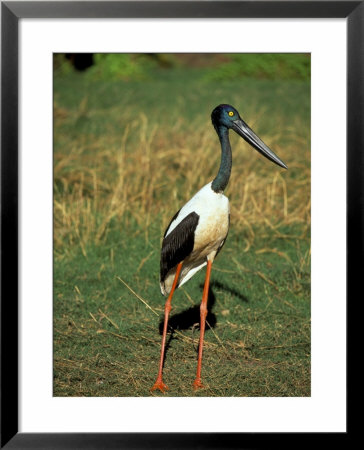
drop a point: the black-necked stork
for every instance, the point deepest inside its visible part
(198, 230)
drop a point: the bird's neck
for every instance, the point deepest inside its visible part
(223, 175)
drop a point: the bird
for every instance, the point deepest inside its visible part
(198, 231)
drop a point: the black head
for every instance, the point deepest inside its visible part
(227, 116)
(224, 115)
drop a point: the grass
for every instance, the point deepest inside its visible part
(127, 155)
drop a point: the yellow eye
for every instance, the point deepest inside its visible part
(231, 113)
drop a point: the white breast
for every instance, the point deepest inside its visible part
(208, 205)
(210, 233)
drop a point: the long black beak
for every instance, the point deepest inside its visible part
(243, 130)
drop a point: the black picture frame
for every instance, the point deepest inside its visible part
(11, 12)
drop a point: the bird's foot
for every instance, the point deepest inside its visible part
(159, 385)
(197, 384)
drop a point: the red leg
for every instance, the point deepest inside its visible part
(159, 383)
(203, 313)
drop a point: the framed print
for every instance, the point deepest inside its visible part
(106, 133)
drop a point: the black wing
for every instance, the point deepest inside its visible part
(178, 244)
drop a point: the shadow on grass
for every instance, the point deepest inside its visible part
(191, 317)
(188, 319)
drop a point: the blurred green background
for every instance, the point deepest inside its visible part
(133, 141)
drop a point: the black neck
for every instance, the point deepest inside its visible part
(223, 175)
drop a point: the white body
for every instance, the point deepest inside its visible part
(213, 211)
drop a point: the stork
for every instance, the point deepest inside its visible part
(199, 229)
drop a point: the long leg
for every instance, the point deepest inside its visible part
(203, 313)
(167, 308)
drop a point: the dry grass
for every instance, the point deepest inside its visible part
(151, 175)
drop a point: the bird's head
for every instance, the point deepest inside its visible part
(227, 116)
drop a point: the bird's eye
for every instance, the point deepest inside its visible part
(231, 113)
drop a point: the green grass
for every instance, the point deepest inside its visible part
(127, 155)
(106, 337)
